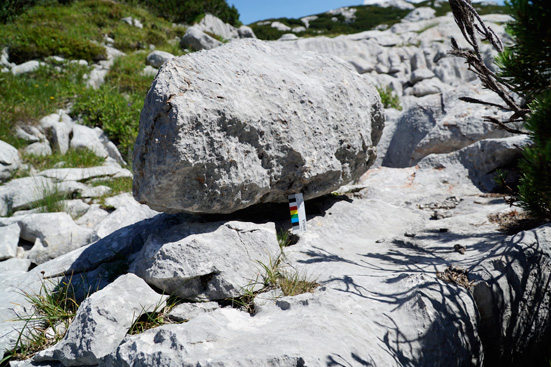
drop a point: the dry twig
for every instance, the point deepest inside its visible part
(470, 24)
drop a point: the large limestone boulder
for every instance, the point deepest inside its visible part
(249, 123)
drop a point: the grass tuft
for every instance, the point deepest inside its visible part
(388, 98)
(275, 275)
(51, 200)
(155, 318)
(54, 308)
(82, 158)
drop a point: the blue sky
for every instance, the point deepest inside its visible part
(253, 10)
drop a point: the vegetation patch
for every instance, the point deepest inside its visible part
(76, 30)
(191, 11)
(389, 99)
(275, 275)
(26, 98)
(54, 308)
(81, 158)
(51, 200)
(157, 317)
(115, 113)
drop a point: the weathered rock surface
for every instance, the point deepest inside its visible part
(102, 322)
(187, 311)
(9, 160)
(211, 261)
(480, 160)
(96, 141)
(57, 232)
(133, 22)
(439, 124)
(83, 174)
(419, 14)
(26, 67)
(262, 125)
(38, 149)
(58, 127)
(522, 263)
(24, 193)
(9, 238)
(380, 300)
(15, 265)
(400, 4)
(127, 212)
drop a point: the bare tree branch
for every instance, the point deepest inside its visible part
(465, 16)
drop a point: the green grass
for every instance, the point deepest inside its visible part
(54, 308)
(74, 30)
(117, 185)
(51, 200)
(155, 318)
(24, 99)
(81, 158)
(276, 274)
(126, 74)
(388, 98)
(115, 113)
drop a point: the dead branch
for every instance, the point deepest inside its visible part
(470, 24)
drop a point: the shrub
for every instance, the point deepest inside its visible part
(535, 183)
(527, 67)
(117, 115)
(9, 9)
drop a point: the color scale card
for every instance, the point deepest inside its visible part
(298, 213)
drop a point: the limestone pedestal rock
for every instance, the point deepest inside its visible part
(249, 123)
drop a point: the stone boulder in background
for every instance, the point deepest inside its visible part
(157, 58)
(212, 24)
(248, 123)
(197, 40)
